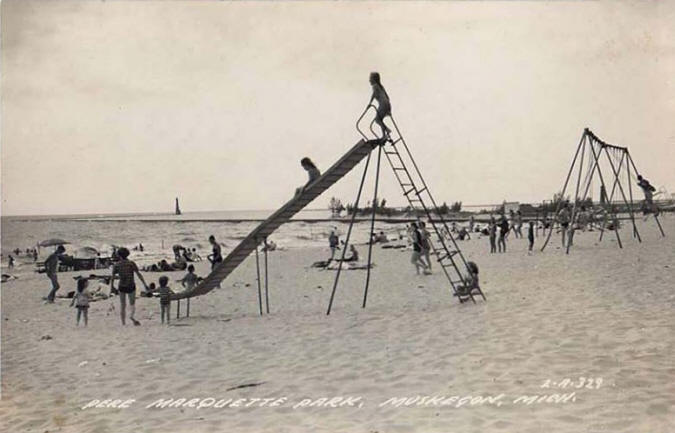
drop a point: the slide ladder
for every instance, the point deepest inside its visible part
(447, 253)
(285, 213)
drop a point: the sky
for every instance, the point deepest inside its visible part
(114, 107)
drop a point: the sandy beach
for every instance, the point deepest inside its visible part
(510, 364)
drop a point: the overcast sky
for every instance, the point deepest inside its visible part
(122, 106)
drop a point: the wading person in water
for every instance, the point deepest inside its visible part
(126, 269)
(383, 103)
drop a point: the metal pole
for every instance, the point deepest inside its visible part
(178, 310)
(630, 185)
(188, 307)
(372, 227)
(623, 195)
(267, 297)
(611, 194)
(569, 173)
(349, 233)
(570, 234)
(257, 268)
(602, 181)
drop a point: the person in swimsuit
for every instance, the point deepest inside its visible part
(216, 256)
(416, 258)
(493, 235)
(564, 220)
(81, 301)
(51, 268)
(425, 243)
(383, 104)
(312, 171)
(648, 191)
(126, 269)
(503, 232)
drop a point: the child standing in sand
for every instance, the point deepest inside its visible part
(81, 301)
(530, 236)
(383, 103)
(493, 235)
(190, 279)
(165, 293)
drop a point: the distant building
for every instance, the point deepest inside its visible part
(511, 206)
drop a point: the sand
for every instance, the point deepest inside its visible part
(601, 313)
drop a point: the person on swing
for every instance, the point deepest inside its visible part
(648, 191)
(383, 103)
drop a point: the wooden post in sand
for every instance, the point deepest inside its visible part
(267, 297)
(257, 267)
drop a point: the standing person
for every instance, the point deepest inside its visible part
(503, 232)
(417, 250)
(493, 235)
(530, 236)
(216, 255)
(81, 301)
(165, 293)
(333, 243)
(383, 103)
(564, 221)
(472, 222)
(425, 243)
(518, 224)
(312, 172)
(126, 269)
(35, 255)
(51, 268)
(648, 191)
(10, 261)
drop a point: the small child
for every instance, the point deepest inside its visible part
(81, 301)
(190, 279)
(530, 236)
(165, 293)
(383, 103)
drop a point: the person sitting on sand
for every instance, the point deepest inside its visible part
(165, 293)
(648, 190)
(195, 257)
(216, 256)
(383, 103)
(353, 258)
(190, 279)
(312, 172)
(51, 268)
(470, 280)
(81, 301)
(126, 269)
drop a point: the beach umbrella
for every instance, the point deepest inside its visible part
(86, 253)
(52, 242)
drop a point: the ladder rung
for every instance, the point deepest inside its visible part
(391, 153)
(409, 191)
(395, 141)
(398, 168)
(422, 190)
(445, 256)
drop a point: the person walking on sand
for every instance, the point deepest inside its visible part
(503, 232)
(518, 224)
(126, 269)
(216, 255)
(312, 172)
(530, 236)
(425, 243)
(564, 221)
(493, 235)
(383, 103)
(333, 243)
(81, 301)
(51, 268)
(417, 250)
